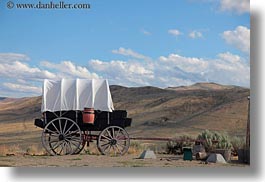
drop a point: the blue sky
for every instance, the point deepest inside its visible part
(131, 43)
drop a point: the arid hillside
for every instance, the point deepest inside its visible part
(180, 110)
(155, 112)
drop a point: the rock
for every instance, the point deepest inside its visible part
(148, 154)
(216, 158)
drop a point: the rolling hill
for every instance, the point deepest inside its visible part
(155, 112)
(179, 110)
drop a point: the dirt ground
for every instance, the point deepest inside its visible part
(105, 161)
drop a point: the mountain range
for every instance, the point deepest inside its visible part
(155, 112)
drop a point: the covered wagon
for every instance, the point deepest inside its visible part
(76, 112)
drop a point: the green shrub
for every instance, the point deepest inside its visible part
(224, 142)
(238, 143)
(206, 136)
(176, 145)
(212, 140)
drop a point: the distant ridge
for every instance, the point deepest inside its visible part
(203, 86)
(2, 98)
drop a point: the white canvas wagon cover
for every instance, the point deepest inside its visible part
(76, 94)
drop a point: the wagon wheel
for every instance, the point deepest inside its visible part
(82, 145)
(61, 136)
(113, 141)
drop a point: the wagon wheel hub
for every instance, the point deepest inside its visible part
(61, 137)
(113, 142)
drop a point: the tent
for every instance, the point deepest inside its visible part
(76, 94)
(216, 158)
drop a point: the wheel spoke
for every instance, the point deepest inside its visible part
(53, 141)
(51, 131)
(73, 132)
(106, 137)
(113, 133)
(62, 146)
(120, 144)
(70, 128)
(71, 141)
(73, 138)
(60, 150)
(65, 149)
(114, 150)
(60, 126)
(57, 145)
(109, 134)
(53, 135)
(65, 125)
(118, 132)
(104, 144)
(76, 132)
(74, 142)
(55, 127)
(118, 149)
(104, 141)
(109, 147)
(81, 143)
(105, 148)
(69, 147)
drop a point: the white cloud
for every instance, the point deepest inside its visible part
(19, 78)
(238, 6)
(11, 57)
(187, 64)
(227, 68)
(14, 87)
(145, 32)
(20, 70)
(174, 32)
(233, 6)
(13, 66)
(22, 79)
(227, 56)
(230, 69)
(195, 34)
(175, 70)
(240, 38)
(125, 73)
(67, 69)
(131, 53)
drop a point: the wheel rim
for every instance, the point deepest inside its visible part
(113, 141)
(82, 145)
(61, 136)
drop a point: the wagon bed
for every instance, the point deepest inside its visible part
(103, 119)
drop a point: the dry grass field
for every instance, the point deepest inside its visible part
(129, 160)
